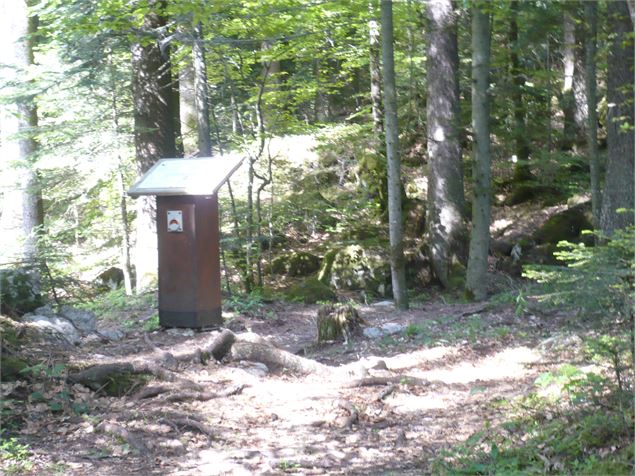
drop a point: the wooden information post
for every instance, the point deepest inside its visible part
(188, 236)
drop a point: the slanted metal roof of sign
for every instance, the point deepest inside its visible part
(197, 176)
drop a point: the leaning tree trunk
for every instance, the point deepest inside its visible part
(590, 13)
(154, 134)
(476, 282)
(395, 219)
(446, 228)
(619, 187)
(20, 210)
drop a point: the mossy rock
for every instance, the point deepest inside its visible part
(355, 268)
(310, 291)
(19, 292)
(327, 264)
(279, 265)
(11, 368)
(302, 263)
(564, 226)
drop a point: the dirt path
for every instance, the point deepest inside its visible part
(452, 367)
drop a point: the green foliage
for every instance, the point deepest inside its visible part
(14, 456)
(245, 304)
(597, 280)
(116, 306)
(152, 324)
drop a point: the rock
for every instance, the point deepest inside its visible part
(83, 320)
(56, 324)
(112, 334)
(257, 369)
(110, 278)
(175, 331)
(19, 291)
(387, 329)
(355, 268)
(384, 304)
(310, 291)
(302, 263)
(566, 225)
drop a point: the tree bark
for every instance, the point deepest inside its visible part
(619, 187)
(522, 171)
(590, 10)
(154, 134)
(374, 49)
(20, 213)
(395, 218)
(201, 95)
(446, 230)
(187, 109)
(476, 282)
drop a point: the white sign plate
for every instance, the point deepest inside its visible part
(175, 221)
(199, 176)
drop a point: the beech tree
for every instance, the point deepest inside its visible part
(446, 230)
(476, 281)
(20, 210)
(395, 220)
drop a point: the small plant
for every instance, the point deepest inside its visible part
(245, 304)
(152, 324)
(414, 330)
(14, 456)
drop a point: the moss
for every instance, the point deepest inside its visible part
(11, 368)
(567, 225)
(327, 264)
(337, 321)
(124, 383)
(19, 292)
(279, 265)
(302, 263)
(356, 269)
(310, 291)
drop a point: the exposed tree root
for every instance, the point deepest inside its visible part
(276, 358)
(187, 422)
(384, 393)
(122, 432)
(353, 415)
(395, 379)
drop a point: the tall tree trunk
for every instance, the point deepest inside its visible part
(374, 48)
(395, 218)
(476, 281)
(187, 109)
(619, 187)
(522, 171)
(446, 230)
(201, 94)
(590, 13)
(573, 99)
(153, 134)
(20, 210)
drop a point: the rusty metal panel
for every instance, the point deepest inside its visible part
(189, 267)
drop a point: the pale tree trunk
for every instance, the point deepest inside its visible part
(590, 9)
(374, 48)
(395, 219)
(446, 230)
(21, 202)
(619, 186)
(187, 109)
(476, 281)
(573, 100)
(201, 94)
(154, 137)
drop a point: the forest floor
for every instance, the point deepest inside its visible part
(449, 372)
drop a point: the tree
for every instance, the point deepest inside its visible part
(395, 220)
(201, 95)
(476, 281)
(21, 204)
(154, 133)
(446, 231)
(619, 187)
(590, 13)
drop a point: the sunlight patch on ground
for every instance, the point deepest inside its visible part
(413, 359)
(509, 363)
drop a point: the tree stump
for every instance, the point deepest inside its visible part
(338, 321)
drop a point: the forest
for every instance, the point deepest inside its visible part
(427, 256)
